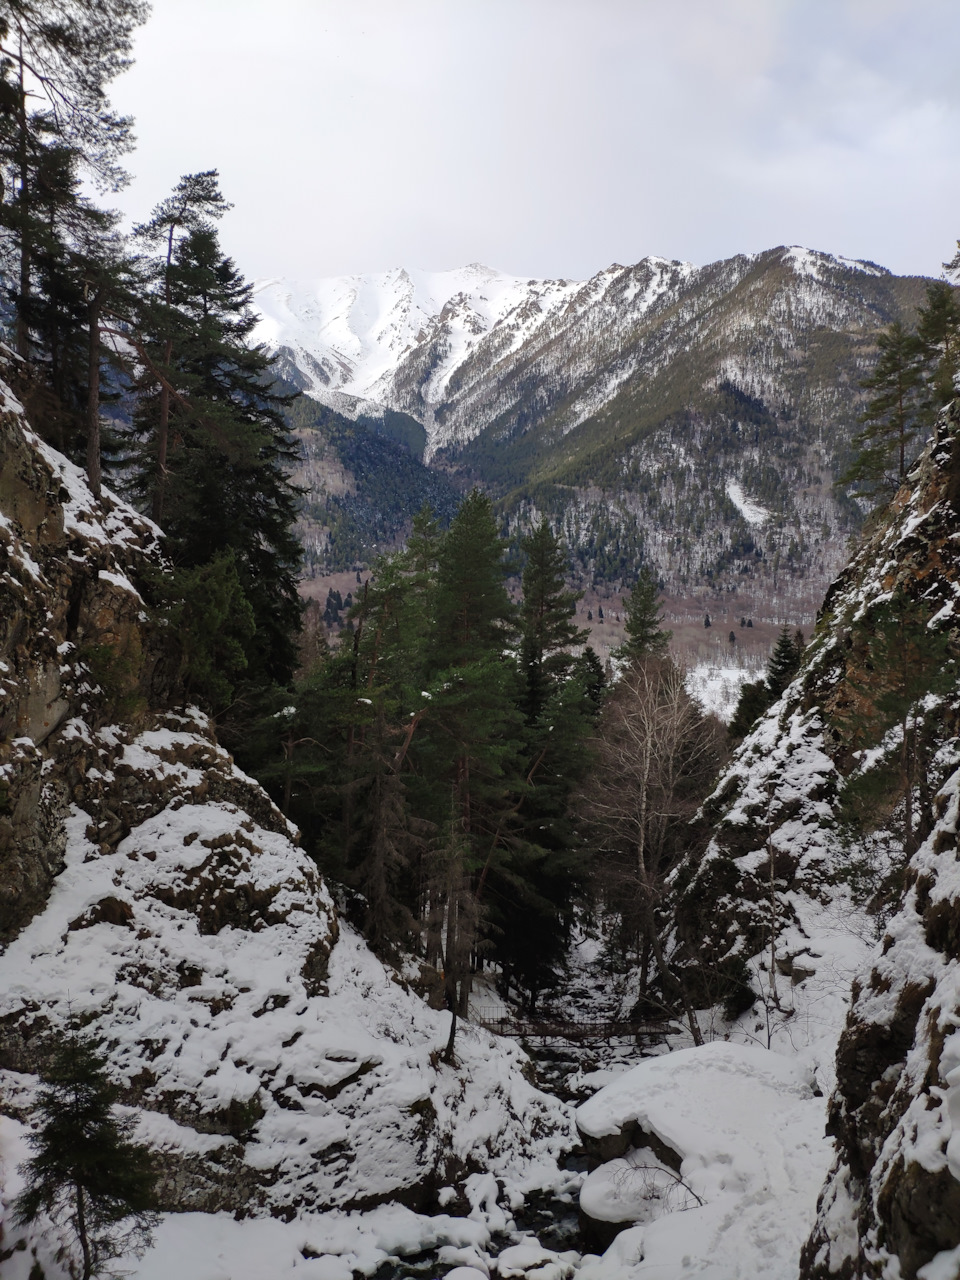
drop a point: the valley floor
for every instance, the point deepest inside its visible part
(744, 1113)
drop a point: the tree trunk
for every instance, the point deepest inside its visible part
(82, 1233)
(23, 306)
(93, 394)
(163, 434)
(450, 972)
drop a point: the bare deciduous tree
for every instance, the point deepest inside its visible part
(656, 756)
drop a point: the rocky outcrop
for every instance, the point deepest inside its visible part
(827, 763)
(75, 642)
(893, 1196)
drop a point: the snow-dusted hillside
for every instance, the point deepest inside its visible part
(836, 820)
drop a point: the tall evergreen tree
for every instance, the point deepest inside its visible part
(892, 415)
(195, 203)
(467, 751)
(225, 480)
(938, 333)
(784, 661)
(86, 1170)
(644, 621)
(58, 56)
(547, 628)
(757, 695)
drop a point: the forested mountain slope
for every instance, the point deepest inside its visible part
(846, 792)
(695, 417)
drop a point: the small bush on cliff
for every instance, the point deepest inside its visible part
(87, 1174)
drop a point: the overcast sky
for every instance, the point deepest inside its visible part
(553, 137)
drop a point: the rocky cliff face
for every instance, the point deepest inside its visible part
(70, 617)
(844, 797)
(154, 894)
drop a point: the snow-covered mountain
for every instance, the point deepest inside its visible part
(695, 417)
(351, 334)
(419, 341)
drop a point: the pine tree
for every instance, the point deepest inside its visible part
(225, 487)
(58, 56)
(938, 334)
(891, 417)
(86, 1170)
(644, 621)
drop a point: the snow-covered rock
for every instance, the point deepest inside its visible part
(809, 854)
(892, 1202)
(724, 1163)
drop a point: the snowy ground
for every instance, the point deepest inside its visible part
(747, 1121)
(748, 1128)
(745, 1114)
(717, 687)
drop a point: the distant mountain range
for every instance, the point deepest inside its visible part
(694, 417)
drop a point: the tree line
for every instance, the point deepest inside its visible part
(131, 353)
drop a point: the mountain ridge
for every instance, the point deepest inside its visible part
(691, 418)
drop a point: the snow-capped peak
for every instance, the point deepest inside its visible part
(357, 328)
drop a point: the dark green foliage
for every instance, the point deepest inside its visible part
(56, 128)
(210, 624)
(86, 1171)
(474, 618)
(217, 453)
(588, 670)
(644, 621)
(784, 661)
(938, 336)
(752, 703)
(533, 892)
(394, 485)
(757, 695)
(892, 415)
(547, 629)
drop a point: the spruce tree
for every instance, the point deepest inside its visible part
(86, 1171)
(757, 695)
(468, 749)
(784, 661)
(644, 621)
(225, 487)
(938, 334)
(194, 204)
(547, 628)
(753, 701)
